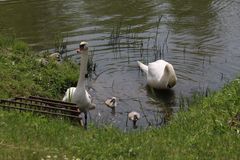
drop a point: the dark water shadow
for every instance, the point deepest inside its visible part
(164, 96)
(164, 105)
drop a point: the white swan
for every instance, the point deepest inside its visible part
(79, 94)
(111, 102)
(134, 117)
(160, 74)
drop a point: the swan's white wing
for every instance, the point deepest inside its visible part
(156, 70)
(89, 97)
(69, 94)
(156, 76)
(90, 101)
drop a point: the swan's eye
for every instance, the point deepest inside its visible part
(135, 118)
(113, 101)
(82, 46)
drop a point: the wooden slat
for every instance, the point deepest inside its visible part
(40, 111)
(51, 100)
(41, 106)
(57, 101)
(48, 102)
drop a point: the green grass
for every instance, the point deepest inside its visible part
(22, 74)
(202, 132)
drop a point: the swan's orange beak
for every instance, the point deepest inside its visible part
(79, 50)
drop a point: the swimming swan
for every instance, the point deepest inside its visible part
(79, 94)
(160, 74)
(134, 117)
(111, 102)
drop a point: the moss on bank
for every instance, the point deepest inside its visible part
(202, 132)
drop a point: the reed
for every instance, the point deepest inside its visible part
(60, 44)
(128, 39)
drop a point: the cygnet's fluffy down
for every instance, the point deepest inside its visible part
(111, 102)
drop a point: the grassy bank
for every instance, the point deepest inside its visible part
(22, 74)
(203, 132)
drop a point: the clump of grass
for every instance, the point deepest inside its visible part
(6, 41)
(22, 74)
(60, 44)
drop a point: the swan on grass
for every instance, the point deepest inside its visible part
(79, 94)
(160, 74)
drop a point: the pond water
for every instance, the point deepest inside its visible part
(200, 38)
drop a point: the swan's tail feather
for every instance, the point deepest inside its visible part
(143, 67)
(68, 95)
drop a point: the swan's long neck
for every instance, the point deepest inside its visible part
(83, 70)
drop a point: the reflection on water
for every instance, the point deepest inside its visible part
(200, 39)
